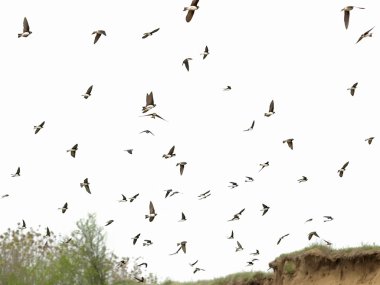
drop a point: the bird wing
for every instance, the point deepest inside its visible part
(183, 216)
(89, 90)
(239, 245)
(186, 63)
(290, 144)
(367, 32)
(183, 246)
(181, 167)
(151, 208)
(87, 188)
(145, 35)
(361, 37)
(241, 212)
(26, 25)
(346, 18)
(271, 106)
(189, 15)
(97, 37)
(156, 30)
(345, 165)
(171, 151)
(194, 2)
(253, 123)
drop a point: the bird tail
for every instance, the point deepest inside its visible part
(185, 9)
(19, 35)
(146, 216)
(81, 184)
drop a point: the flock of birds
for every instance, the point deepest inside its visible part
(148, 107)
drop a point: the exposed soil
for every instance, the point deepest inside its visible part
(319, 266)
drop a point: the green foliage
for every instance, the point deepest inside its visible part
(28, 257)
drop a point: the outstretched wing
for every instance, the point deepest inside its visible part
(26, 25)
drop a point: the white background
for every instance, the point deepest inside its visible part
(297, 53)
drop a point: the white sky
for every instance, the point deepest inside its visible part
(297, 53)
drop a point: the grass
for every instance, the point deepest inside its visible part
(331, 252)
(241, 278)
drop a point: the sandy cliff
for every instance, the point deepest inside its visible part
(322, 266)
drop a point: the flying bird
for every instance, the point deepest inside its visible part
(123, 199)
(251, 127)
(302, 179)
(23, 226)
(98, 33)
(73, 150)
(347, 10)
(341, 171)
(47, 232)
(205, 53)
(4, 196)
(263, 165)
(257, 252)
(109, 222)
(147, 242)
(327, 242)
(88, 92)
(231, 236)
(149, 103)
(182, 245)
(186, 63)
(86, 185)
(191, 9)
(39, 127)
(369, 140)
(233, 185)
(308, 220)
(204, 195)
(133, 197)
(239, 247)
(153, 116)
(17, 174)
(181, 166)
(147, 132)
(140, 280)
(143, 264)
(228, 88)
(192, 264)
(282, 238)
(250, 263)
(365, 35)
(310, 235)
(264, 209)
(183, 218)
(150, 33)
(26, 30)
(64, 208)
(353, 88)
(271, 110)
(152, 214)
(135, 238)
(129, 151)
(249, 179)
(289, 142)
(170, 153)
(168, 192)
(237, 216)
(328, 218)
(198, 269)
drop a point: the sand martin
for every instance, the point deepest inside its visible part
(86, 185)
(39, 127)
(191, 9)
(353, 88)
(251, 127)
(150, 33)
(365, 35)
(26, 30)
(186, 63)
(347, 10)
(64, 208)
(152, 214)
(98, 33)
(73, 150)
(289, 142)
(17, 174)
(205, 53)
(170, 153)
(341, 171)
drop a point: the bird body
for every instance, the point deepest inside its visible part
(289, 142)
(347, 10)
(109, 222)
(302, 179)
